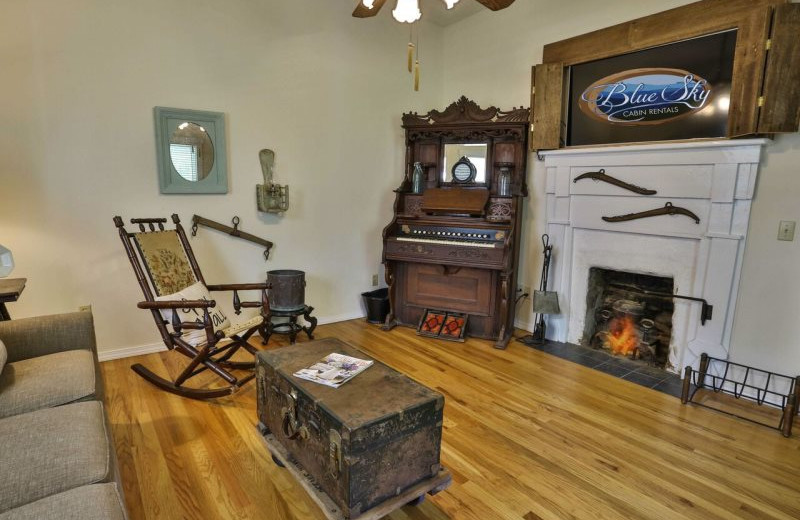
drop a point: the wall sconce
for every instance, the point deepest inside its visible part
(270, 197)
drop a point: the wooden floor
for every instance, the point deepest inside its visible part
(526, 436)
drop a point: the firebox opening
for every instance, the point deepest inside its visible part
(627, 314)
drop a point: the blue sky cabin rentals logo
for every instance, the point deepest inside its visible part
(646, 96)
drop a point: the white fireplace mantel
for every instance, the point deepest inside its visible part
(713, 179)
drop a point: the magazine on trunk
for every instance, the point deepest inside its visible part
(333, 370)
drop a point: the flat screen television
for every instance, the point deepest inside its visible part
(676, 91)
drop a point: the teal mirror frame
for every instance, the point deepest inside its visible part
(169, 181)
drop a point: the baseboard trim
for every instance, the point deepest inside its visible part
(139, 350)
(342, 317)
(125, 352)
(524, 325)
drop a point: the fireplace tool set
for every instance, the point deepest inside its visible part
(544, 301)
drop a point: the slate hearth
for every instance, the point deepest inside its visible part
(618, 366)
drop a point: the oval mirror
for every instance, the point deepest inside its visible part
(191, 151)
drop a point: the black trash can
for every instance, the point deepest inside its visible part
(377, 304)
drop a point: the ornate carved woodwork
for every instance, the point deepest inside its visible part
(456, 247)
(466, 111)
(413, 206)
(500, 210)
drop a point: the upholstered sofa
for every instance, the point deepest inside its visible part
(57, 456)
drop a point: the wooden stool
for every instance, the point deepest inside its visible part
(290, 327)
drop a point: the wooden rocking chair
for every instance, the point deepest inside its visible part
(177, 295)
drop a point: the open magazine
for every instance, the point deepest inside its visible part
(333, 370)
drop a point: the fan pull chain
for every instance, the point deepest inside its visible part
(410, 47)
(416, 66)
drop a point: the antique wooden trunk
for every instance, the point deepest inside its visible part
(362, 443)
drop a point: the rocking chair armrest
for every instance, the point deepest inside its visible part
(238, 286)
(177, 304)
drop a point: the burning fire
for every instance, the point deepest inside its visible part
(622, 337)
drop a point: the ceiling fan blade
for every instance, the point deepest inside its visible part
(494, 5)
(362, 11)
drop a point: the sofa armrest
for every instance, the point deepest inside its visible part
(41, 335)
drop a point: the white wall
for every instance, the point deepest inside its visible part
(488, 58)
(80, 79)
(325, 91)
(766, 330)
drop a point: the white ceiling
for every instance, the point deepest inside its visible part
(436, 11)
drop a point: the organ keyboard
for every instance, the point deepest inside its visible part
(445, 242)
(449, 245)
(458, 236)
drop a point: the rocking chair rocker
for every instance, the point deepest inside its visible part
(177, 295)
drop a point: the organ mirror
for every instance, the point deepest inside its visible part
(454, 168)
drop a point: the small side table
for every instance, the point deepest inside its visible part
(10, 289)
(291, 327)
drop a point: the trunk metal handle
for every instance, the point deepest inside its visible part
(335, 453)
(291, 426)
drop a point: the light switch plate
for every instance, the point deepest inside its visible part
(786, 230)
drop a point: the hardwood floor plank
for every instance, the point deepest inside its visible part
(526, 436)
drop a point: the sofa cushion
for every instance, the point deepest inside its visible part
(45, 381)
(197, 291)
(3, 356)
(52, 450)
(27, 338)
(95, 502)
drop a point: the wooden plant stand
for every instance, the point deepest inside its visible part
(743, 382)
(413, 496)
(290, 327)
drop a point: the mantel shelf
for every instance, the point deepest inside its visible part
(695, 144)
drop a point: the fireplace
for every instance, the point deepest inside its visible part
(617, 244)
(628, 314)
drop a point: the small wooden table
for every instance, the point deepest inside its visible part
(10, 289)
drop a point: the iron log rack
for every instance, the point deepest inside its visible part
(744, 387)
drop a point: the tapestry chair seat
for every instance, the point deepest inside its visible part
(184, 311)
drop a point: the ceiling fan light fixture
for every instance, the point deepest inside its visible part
(407, 11)
(450, 3)
(369, 4)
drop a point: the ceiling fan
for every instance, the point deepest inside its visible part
(407, 11)
(369, 8)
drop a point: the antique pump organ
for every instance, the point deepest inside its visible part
(454, 241)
